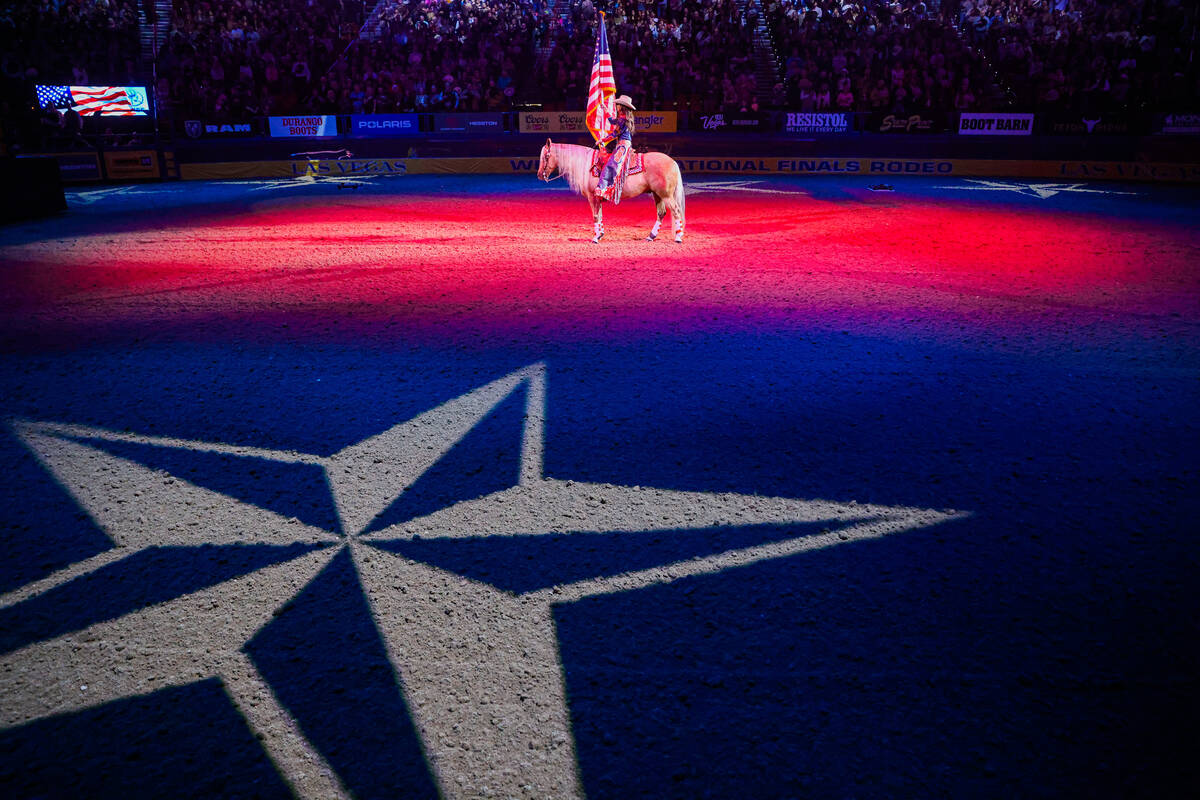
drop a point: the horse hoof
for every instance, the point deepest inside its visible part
(596, 239)
(652, 237)
(678, 240)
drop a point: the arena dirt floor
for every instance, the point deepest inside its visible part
(400, 487)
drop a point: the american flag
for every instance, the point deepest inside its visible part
(122, 101)
(54, 96)
(601, 89)
(105, 99)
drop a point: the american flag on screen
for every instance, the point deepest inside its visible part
(601, 89)
(54, 96)
(105, 99)
(121, 101)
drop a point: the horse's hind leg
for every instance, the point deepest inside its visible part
(597, 217)
(676, 218)
(660, 206)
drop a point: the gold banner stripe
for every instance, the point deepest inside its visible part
(849, 167)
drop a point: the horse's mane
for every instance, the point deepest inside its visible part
(575, 163)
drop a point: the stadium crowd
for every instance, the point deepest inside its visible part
(1087, 55)
(61, 41)
(236, 59)
(72, 41)
(1033, 55)
(666, 54)
(899, 57)
(464, 55)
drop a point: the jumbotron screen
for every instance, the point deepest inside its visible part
(108, 101)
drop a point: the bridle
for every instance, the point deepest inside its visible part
(560, 174)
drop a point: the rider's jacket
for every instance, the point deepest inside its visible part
(619, 131)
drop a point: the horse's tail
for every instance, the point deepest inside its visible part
(679, 195)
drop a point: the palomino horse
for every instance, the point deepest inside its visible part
(661, 177)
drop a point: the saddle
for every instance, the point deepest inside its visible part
(633, 164)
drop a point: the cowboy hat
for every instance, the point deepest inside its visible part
(625, 100)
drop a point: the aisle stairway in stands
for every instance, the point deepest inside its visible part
(997, 93)
(372, 27)
(153, 28)
(547, 45)
(766, 59)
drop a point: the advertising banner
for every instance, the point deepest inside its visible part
(1128, 171)
(864, 166)
(1180, 124)
(656, 121)
(468, 123)
(906, 123)
(995, 124)
(310, 125)
(819, 166)
(551, 122)
(196, 129)
(131, 164)
(818, 122)
(385, 125)
(726, 123)
(77, 167)
(573, 122)
(1085, 124)
(106, 101)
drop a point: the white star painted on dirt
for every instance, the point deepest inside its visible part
(1039, 190)
(274, 184)
(89, 196)
(730, 186)
(486, 654)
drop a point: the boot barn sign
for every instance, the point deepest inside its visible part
(996, 124)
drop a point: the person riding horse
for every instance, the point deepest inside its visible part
(621, 133)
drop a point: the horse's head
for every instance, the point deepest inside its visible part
(547, 164)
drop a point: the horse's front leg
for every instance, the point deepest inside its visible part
(597, 217)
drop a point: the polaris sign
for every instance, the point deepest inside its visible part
(384, 125)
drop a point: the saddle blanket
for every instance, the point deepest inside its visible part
(633, 165)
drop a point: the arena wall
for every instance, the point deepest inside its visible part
(1147, 148)
(854, 166)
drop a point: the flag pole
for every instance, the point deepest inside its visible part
(601, 87)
